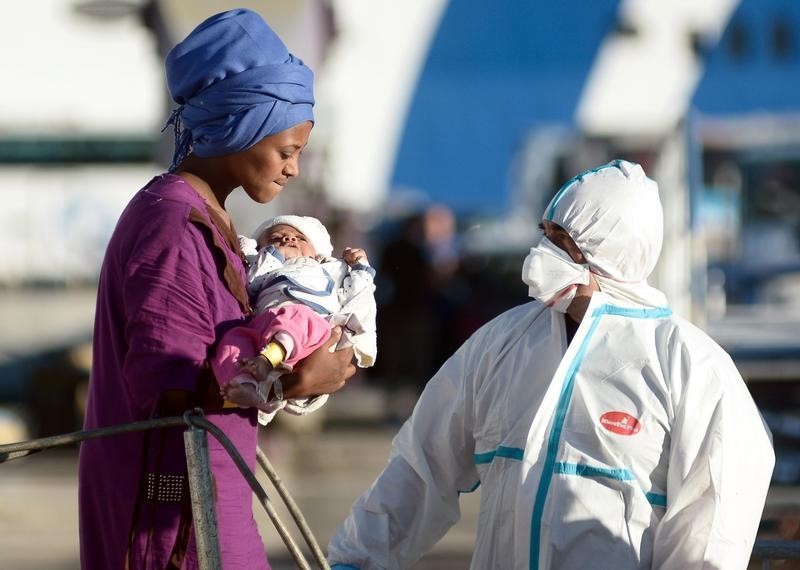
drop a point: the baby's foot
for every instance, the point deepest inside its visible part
(244, 394)
(258, 367)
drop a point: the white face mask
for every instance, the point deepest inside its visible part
(551, 275)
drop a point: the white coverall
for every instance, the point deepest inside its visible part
(637, 445)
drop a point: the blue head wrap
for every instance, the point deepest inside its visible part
(236, 83)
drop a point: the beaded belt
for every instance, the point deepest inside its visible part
(164, 488)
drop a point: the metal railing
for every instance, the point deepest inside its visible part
(201, 488)
(770, 550)
(200, 482)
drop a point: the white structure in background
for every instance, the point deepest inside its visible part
(641, 83)
(70, 76)
(364, 90)
(66, 77)
(301, 24)
(640, 89)
(65, 72)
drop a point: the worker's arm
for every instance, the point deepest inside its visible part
(720, 465)
(414, 501)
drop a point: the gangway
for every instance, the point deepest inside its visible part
(200, 482)
(201, 489)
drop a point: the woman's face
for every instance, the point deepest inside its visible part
(265, 168)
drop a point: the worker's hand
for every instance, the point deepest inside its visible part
(321, 372)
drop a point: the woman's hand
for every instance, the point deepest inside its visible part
(321, 372)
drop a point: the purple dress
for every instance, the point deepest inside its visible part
(172, 282)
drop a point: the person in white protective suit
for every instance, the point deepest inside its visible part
(604, 431)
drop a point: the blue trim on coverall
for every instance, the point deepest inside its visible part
(561, 413)
(577, 178)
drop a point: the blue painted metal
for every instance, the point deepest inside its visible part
(747, 71)
(494, 72)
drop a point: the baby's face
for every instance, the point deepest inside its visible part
(287, 240)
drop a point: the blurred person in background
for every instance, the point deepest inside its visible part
(406, 315)
(441, 240)
(451, 292)
(173, 281)
(605, 432)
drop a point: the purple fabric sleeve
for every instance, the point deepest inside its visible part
(168, 329)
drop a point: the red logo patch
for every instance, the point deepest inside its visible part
(620, 423)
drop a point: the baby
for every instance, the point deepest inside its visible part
(298, 292)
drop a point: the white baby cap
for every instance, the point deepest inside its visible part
(311, 227)
(613, 213)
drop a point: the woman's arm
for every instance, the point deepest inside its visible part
(168, 323)
(321, 372)
(415, 500)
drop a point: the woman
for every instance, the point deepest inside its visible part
(173, 281)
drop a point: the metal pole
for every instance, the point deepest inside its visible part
(197, 421)
(11, 451)
(293, 509)
(201, 489)
(255, 486)
(777, 549)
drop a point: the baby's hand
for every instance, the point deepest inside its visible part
(257, 367)
(354, 256)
